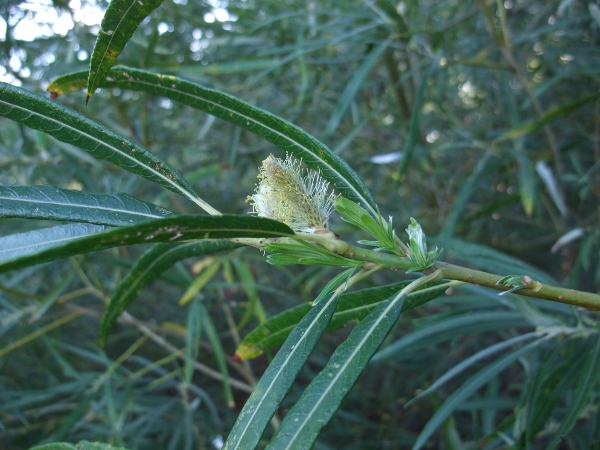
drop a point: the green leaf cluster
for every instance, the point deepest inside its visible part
(301, 252)
(376, 226)
(418, 253)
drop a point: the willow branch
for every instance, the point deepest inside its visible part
(453, 272)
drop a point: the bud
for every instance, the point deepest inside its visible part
(285, 194)
(417, 247)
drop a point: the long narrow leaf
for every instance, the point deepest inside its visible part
(192, 338)
(468, 388)
(28, 244)
(449, 327)
(549, 116)
(200, 281)
(581, 395)
(148, 268)
(248, 282)
(42, 114)
(121, 19)
(552, 381)
(279, 376)
(415, 118)
(353, 86)
(322, 398)
(270, 127)
(81, 445)
(215, 341)
(352, 307)
(49, 202)
(465, 364)
(17, 251)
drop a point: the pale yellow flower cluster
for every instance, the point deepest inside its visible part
(285, 194)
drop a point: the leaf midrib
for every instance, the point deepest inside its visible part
(296, 346)
(254, 121)
(101, 144)
(342, 368)
(81, 205)
(50, 242)
(112, 36)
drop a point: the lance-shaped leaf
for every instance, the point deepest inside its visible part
(279, 376)
(470, 361)
(81, 445)
(120, 21)
(353, 86)
(40, 113)
(550, 115)
(586, 380)
(468, 388)
(192, 338)
(49, 202)
(445, 327)
(415, 118)
(148, 268)
(17, 251)
(270, 127)
(353, 306)
(25, 246)
(323, 396)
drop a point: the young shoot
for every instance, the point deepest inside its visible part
(418, 253)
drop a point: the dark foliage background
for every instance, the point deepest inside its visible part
(480, 119)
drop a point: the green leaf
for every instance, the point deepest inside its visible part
(413, 128)
(323, 396)
(40, 113)
(471, 360)
(18, 251)
(48, 202)
(248, 285)
(279, 376)
(550, 115)
(353, 306)
(464, 194)
(334, 283)
(192, 338)
(418, 253)
(581, 397)
(215, 341)
(148, 268)
(445, 328)
(121, 19)
(552, 185)
(354, 85)
(70, 82)
(301, 252)
(31, 243)
(357, 216)
(526, 181)
(551, 383)
(278, 131)
(81, 445)
(49, 300)
(226, 68)
(468, 388)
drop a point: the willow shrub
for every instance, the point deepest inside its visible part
(292, 205)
